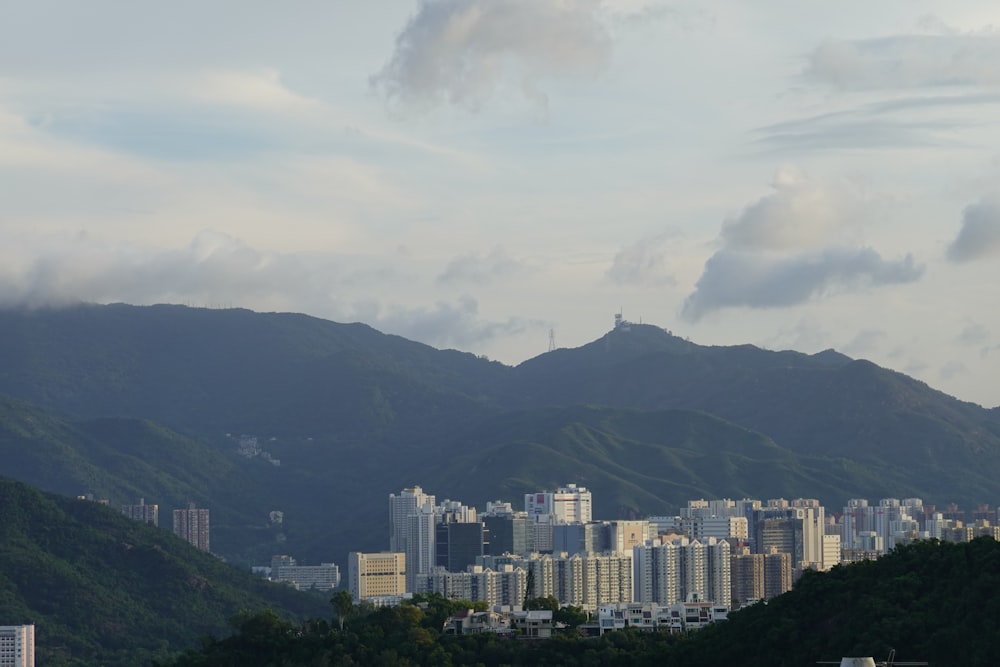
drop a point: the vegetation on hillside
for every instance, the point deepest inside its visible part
(103, 589)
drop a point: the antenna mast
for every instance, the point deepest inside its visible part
(552, 340)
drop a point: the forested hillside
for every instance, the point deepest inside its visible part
(103, 589)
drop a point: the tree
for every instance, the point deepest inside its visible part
(343, 605)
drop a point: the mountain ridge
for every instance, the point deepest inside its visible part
(353, 414)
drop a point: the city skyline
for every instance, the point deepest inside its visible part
(422, 166)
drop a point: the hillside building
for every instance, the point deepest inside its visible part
(322, 577)
(143, 512)
(17, 646)
(192, 525)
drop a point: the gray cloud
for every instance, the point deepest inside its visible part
(796, 244)
(460, 51)
(908, 61)
(973, 334)
(480, 269)
(953, 369)
(771, 280)
(979, 236)
(214, 269)
(447, 324)
(643, 263)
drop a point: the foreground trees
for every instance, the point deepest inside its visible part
(930, 601)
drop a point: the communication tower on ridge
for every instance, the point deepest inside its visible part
(552, 340)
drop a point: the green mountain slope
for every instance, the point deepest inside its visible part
(638, 463)
(102, 589)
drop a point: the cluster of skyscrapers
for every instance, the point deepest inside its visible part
(728, 552)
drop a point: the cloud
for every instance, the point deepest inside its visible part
(446, 324)
(480, 269)
(643, 263)
(974, 334)
(800, 243)
(771, 280)
(461, 51)
(908, 61)
(953, 369)
(910, 122)
(215, 268)
(979, 236)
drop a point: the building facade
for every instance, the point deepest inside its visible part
(143, 512)
(17, 646)
(192, 525)
(376, 575)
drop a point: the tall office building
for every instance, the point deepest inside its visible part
(17, 646)
(510, 533)
(459, 544)
(191, 524)
(143, 512)
(372, 575)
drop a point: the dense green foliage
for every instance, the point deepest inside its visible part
(931, 602)
(102, 589)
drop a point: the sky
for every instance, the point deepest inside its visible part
(488, 175)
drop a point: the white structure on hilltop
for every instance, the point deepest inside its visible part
(17, 646)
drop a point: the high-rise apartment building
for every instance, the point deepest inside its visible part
(777, 573)
(192, 525)
(143, 512)
(17, 646)
(373, 575)
(400, 508)
(747, 576)
(669, 572)
(567, 504)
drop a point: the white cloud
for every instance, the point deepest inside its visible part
(461, 51)
(802, 242)
(979, 237)
(643, 263)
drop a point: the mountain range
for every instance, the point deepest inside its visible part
(124, 401)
